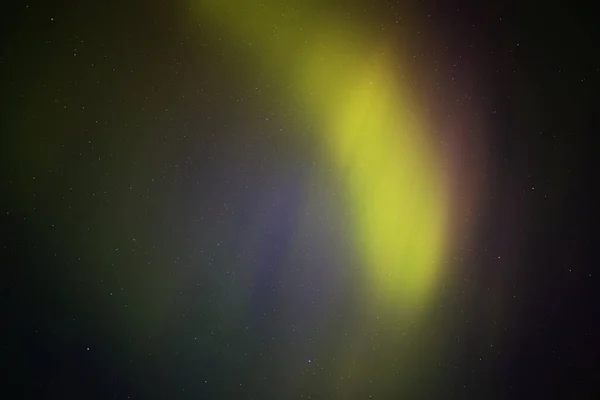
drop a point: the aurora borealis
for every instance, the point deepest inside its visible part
(377, 146)
(226, 199)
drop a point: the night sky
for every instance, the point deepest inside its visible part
(284, 199)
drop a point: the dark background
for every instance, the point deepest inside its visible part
(124, 150)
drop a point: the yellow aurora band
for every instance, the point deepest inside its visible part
(372, 134)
